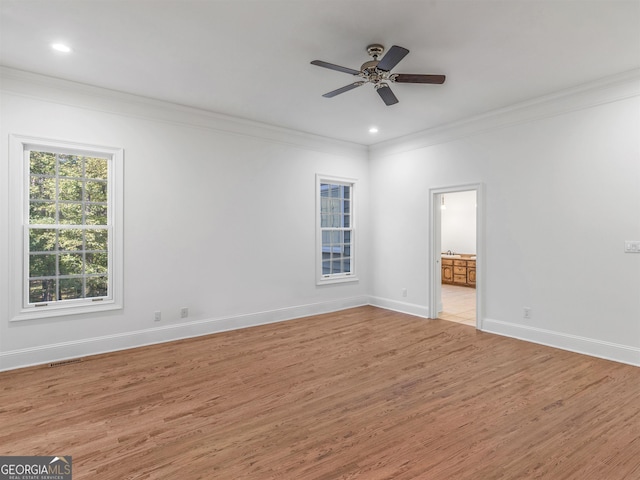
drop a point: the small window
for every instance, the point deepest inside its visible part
(336, 230)
(70, 227)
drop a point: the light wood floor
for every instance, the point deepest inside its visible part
(459, 304)
(360, 394)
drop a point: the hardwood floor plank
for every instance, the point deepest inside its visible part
(360, 394)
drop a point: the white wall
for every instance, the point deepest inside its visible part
(219, 218)
(458, 222)
(562, 191)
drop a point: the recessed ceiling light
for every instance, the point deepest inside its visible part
(60, 47)
(373, 130)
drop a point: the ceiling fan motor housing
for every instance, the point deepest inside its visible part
(369, 70)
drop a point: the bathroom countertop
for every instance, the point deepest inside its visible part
(459, 257)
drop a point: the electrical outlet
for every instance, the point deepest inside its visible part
(157, 316)
(184, 312)
(527, 313)
(632, 246)
(404, 292)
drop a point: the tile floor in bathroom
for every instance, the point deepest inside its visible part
(459, 304)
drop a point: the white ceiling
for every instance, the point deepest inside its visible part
(250, 59)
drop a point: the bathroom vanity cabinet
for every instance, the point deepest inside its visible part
(459, 270)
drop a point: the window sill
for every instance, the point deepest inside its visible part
(337, 279)
(59, 311)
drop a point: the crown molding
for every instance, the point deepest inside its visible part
(65, 92)
(610, 89)
(51, 89)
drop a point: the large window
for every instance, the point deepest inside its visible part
(336, 233)
(70, 227)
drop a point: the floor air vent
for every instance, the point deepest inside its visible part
(62, 363)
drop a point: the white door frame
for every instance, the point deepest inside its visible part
(435, 232)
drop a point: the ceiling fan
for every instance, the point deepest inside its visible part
(378, 73)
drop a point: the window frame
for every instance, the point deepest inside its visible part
(19, 173)
(322, 278)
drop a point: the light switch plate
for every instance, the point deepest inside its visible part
(632, 246)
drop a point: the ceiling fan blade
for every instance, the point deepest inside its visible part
(417, 78)
(342, 90)
(392, 58)
(331, 66)
(387, 95)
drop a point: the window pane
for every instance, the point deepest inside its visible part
(71, 264)
(325, 205)
(70, 213)
(42, 163)
(70, 288)
(70, 190)
(97, 287)
(96, 192)
(96, 263)
(42, 291)
(346, 221)
(96, 168)
(70, 166)
(42, 240)
(336, 266)
(347, 236)
(326, 267)
(70, 239)
(42, 212)
(42, 188)
(96, 240)
(42, 265)
(96, 215)
(347, 192)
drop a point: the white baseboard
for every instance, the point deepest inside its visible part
(402, 307)
(44, 354)
(13, 359)
(563, 341)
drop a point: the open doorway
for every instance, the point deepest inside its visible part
(458, 247)
(456, 254)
